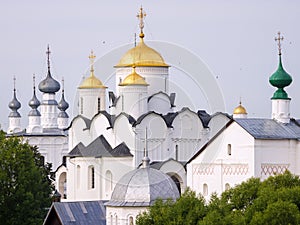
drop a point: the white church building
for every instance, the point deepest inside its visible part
(47, 120)
(249, 147)
(128, 147)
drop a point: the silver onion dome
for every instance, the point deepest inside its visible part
(14, 104)
(63, 105)
(34, 103)
(49, 84)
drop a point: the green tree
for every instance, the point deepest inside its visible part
(273, 201)
(187, 210)
(24, 185)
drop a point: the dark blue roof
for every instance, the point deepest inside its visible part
(270, 129)
(79, 213)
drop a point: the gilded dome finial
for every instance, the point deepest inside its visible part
(92, 61)
(141, 15)
(278, 40)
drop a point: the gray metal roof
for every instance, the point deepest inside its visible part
(141, 187)
(100, 148)
(79, 213)
(158, 164)
(270, 129)
(171, 97)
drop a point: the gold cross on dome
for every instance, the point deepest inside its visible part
(92, 60)
(141, 15)
(279, 39)
(92, 57)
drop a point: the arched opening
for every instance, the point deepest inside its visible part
(91, 173)
(227, 186)
(78, 176)
(81, 105)
(229, 149)
(99, 105)
(62, 185)
(130, 220)
(205, 189)
(177, 180)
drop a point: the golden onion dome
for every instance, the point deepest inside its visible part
(92, 81)
(240, 109)
(133, 79)
(142, 55)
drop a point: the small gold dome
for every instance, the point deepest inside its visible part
(141, 55)
(92, 81)
(240, 109)
(133, 79)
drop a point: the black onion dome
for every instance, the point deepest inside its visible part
(49, 85)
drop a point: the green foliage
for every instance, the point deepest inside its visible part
(187, 210)
(24, 185)
(273, 201)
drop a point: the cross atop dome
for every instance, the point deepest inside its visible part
(141, 15)
(48, 56)
(278, 40)
(14, 80)
(92, 60)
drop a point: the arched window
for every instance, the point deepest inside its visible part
(62, 188)
(78, 176)
(130, 220)
(227, 186)
(205, 189)
(116, 222)
(81, 105)
(176, 152)
(111, 220)
(229, 149)
(91, 175)
(108, 181)
(177, 182)
(99, 105)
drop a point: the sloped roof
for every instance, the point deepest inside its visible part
(204, 117)
(202, 114)
(53, 132)
(158, 164)
(76, 151)
(265, 129)
(79, 213)
(100, 148)
(140, 119)
(121, 150)
(171, 97)
(109, 117)
(86, 121)
(270, 129)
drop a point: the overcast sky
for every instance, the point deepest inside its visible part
(235, 39)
